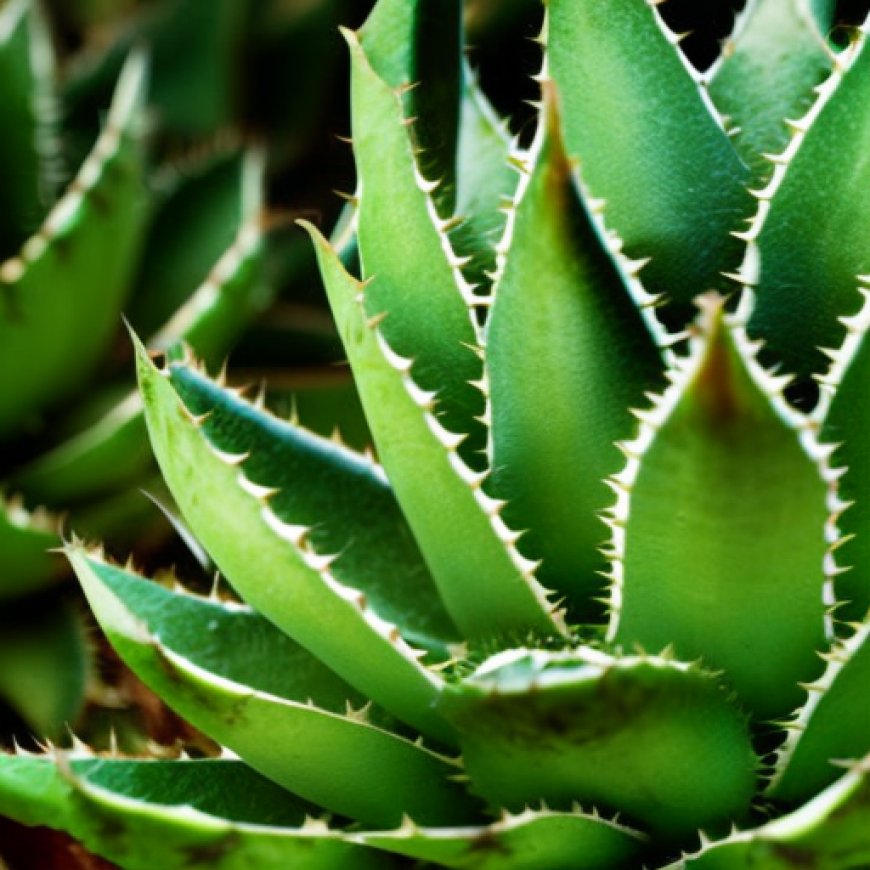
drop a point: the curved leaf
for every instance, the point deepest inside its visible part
(656, 740)
(342, 496)
(720, 526)
(291, 740)
(404, 246)
(528, 841)
(196, 222)
(175, 814)
(415, 47)
(274, 567)
(828, 728)
(830, 831)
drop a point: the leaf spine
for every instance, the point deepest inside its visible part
(837, 657)
(781, 162)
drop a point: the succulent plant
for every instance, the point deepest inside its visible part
(444, 656)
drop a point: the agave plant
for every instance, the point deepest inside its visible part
(444, 656)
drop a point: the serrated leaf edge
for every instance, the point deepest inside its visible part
(141, 633)
(61, 218)
(245, 246)
(507, 821)
(523, 161)
(450, 441)
(427, 187)
(317, 563)
(680, 374)
(836, 658)
(748, 274)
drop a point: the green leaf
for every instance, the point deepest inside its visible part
(61, 297)
(811, 235)
(175, 814)
(44, 664)
(563, 317)
(233, 293)
(648, 144)
(829, 832)
(528, 841)
(274, 566)
(828, 728)
(25, 538)
(26, 113)
(292, 740)
(405, 247)
(723, 515)
(341, 496)
(767, 74)
(654, 739)
(457, 526)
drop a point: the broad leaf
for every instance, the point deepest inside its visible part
(768, 73)
(723, 517)
(813, 240)
(621, 734)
